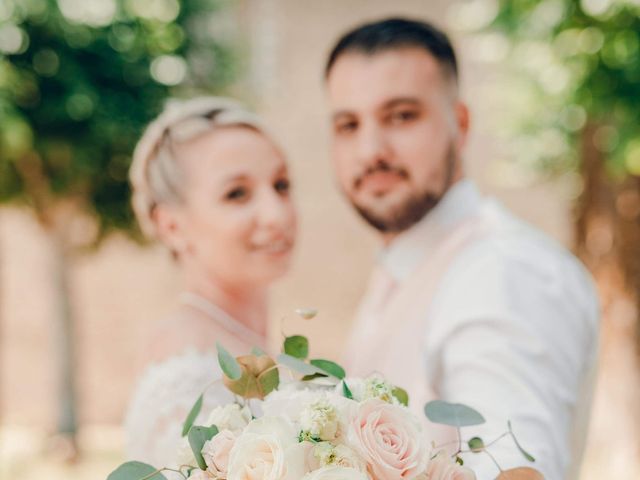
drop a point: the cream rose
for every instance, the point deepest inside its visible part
(389, 439)
(216, 452)
(230, 417)
(325, 454)
(443, 467)
(336, 473)
(268, 449)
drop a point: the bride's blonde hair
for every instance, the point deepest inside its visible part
(155, 173)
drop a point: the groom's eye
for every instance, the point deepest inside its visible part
(402, 116)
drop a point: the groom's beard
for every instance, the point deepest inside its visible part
(413, 209)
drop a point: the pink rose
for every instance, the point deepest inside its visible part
(389, 438)
(216, 451)
(443, 467)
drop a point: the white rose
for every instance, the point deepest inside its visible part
(336, 473)
(268, 449)
(216, 452)
(230, 417)
(289, 402)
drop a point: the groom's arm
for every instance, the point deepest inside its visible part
(511, 335)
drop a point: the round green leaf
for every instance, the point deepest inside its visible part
(329, 367)
(298, 365)
(401, 395)
(454, 414)
(228, 364)
(296, 346)
(476, 444)
(135, 471)
(198, 436)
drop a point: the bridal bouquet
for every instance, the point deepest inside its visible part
(319, 425)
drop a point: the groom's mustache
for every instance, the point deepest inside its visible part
(380, 166)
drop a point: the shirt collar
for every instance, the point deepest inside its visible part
(407, 250)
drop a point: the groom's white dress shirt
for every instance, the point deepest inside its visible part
(510, 328)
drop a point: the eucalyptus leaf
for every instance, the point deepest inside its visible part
(346, 391)
(228, 364)
(453, 414)
(135, 471)
(193, 413)
(198, 436)
(308, 378)
(329, 367)
(524, 453)
(298, 365)
(476, 444)
(296, 346)
(401, 395)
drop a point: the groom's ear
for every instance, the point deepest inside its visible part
(169, 225)
(463, 120)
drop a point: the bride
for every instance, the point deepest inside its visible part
(212, 186)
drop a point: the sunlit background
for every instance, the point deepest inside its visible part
(554, 90)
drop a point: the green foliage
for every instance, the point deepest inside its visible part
(571, 65)
(298, 365)
(228, 364)
(346, 392)
(296, 346)
(476, 444)
(259, 376)
(76, 93)
(453, 414)
(198, 436)
(191, 417)
(329, 367)
(401, 395)
(526, 455)
(136, 471)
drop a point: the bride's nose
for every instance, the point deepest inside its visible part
(274, 210)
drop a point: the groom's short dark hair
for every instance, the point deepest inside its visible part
(394, 33)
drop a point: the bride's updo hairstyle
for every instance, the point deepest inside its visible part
(155, 174)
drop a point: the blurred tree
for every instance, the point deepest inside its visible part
(574, 66)
(79, 79)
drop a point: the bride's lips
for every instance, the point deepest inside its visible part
(275, 248)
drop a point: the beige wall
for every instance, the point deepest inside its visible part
(122, 289)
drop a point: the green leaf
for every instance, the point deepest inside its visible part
(401, 395)
(459, 461)
(298, 365)
(296, 346)
(346, 391)
(269, 381)
(476, 444)
(135, 471)
(198, 436)
(454, 414)
(228, 364)
(308, 378)
(329, 367)
(257, 351)
(524, 453)
(195, 410)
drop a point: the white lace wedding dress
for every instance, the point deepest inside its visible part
(168, 389)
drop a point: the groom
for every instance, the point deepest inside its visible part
(467, 303)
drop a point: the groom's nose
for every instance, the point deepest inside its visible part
(372, 145)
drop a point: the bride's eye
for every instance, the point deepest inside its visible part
(237, 194)
(282, 186)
